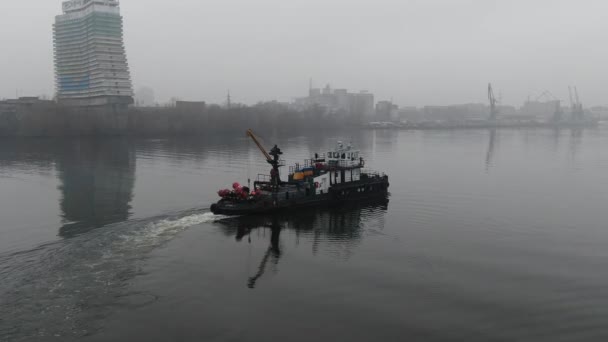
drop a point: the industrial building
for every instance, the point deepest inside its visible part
(357, 105)
(90, 61)
(387, 111)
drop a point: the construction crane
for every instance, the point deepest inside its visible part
(272, 158)
(493, 102)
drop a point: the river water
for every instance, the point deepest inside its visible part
(487, 236)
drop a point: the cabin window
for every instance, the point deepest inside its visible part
(343, 155)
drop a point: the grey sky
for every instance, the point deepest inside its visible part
(414, 51)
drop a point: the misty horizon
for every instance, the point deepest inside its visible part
(414, 52)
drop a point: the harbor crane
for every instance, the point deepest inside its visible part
(579, 105)
(575, 104)
(493, 102)
(571, 99)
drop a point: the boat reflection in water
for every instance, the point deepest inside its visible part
(343, 227)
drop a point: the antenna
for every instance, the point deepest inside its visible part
(228, 101)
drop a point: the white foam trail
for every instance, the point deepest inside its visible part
(170, 225)
(162, 230)
(93, 265)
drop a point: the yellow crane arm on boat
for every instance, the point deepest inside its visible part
(255, 140)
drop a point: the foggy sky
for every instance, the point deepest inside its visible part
(414, 51)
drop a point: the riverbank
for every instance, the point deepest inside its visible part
(50, 119)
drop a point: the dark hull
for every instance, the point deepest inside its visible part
(360, 191)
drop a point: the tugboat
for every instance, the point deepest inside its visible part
(331, 178)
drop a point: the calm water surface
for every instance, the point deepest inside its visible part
(488, 236)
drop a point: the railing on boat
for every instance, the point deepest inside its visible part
(372, 173)
(332, 164)
(262, 178)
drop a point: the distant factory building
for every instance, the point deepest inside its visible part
(410, 114)
(456, 113)
(506, 111)
(540, 111)
(387, 111)
(599, 112)
(11, 105)
(190, 106)
(144, 97)
(90, 61)
(339, 101)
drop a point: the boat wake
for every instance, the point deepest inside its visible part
(160, 230)
(60, 290)
(172, 224)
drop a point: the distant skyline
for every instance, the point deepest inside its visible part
(416, 52)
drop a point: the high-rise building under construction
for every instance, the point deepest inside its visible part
(90, 61)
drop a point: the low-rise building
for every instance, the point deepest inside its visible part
(456, 113)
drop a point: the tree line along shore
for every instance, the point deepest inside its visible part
(50, 119)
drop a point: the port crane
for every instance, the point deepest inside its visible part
(579, 105)
(575, 104)
(272, 158)
(493, 102)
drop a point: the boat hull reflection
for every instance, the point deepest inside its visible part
(339, 225)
